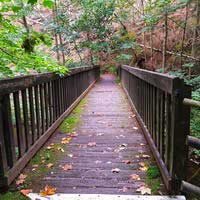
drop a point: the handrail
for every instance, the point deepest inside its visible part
(31, 109)
(191, 102)
(9, 85)
(157, 100)
(165, 82)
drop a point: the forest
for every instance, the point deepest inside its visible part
(55, 35)
(39, 36)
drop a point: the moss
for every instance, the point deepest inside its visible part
(71, 122)
(117, 80)
(41, 159)
(13, 196)
(153, 178)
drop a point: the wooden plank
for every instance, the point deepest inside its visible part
(37, 111)
(157, 119)
(168, 130)
(162, 124)
(9, 141)
(50, 100)
(162, 81)
(41, 91)
(46, 105)
(193, 142)
(19, 129)
(32, 115)
(26, 119)
(3, 155)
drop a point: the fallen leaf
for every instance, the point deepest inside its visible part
(98, 161)
(61, 149)
(25, 192)
(73, 134)
(144, 190)
(126, 161)
(123, 145)
(142, 164)
(67, 167)
(21, 179)
(22, 176)
(145, 156)
(124, 189)
(66, 140)
(100, 134)
(50, 165)
(144, 169)
(48, 190)
(51, 146)
(131, 116)
(91, 144)
(135, 177)
(116, 170)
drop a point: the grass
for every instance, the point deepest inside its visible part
(13, 196)
(71, 122)
(153, 177)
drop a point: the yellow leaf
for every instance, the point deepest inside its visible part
(143, 168)
(48, 190)
(50, 165)
(61, 149)
(66, 140)
(135, 177)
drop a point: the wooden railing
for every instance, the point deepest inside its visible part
(192, 142)
(158, 103)
(31, 108)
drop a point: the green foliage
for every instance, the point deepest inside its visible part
(124, 57)
(21, 48)
(13, 196)
(153, 172)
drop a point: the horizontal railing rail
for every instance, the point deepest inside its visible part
(158, 103)
(31, 108)
(193, 142)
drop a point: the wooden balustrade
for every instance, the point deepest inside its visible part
(158, 103)
(31, 108)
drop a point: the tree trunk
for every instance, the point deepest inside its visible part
(165, 41)
(144, 36)
(195, 34)
(183, 36)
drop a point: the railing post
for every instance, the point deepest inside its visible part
(180, 130)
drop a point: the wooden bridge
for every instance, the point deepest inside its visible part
(118, 132)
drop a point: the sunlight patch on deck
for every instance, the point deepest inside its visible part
(34, 196)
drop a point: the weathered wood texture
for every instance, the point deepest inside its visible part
(107, 120)
(31, 108)
(158, 102)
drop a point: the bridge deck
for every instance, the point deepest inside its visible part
(110, 128)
